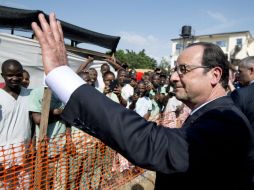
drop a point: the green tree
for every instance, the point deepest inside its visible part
(164, 64)
(136, 60)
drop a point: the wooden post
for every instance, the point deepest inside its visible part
(45, 113)
(41, 165)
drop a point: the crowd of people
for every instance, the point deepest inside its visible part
(151, 97)
(193, 124)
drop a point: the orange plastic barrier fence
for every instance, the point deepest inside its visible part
(69, 161)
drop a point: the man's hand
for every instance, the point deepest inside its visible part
(50, 37)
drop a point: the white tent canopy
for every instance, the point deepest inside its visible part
(28, 53)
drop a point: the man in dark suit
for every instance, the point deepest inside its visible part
(211, 151)
(244, 97)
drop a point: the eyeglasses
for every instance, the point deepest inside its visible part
(183, 68)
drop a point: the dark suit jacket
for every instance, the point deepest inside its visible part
(211, 151)
(244, 99)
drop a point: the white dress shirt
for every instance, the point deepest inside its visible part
(63, 81)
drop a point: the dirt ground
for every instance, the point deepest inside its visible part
(144, 181)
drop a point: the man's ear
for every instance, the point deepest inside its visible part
(216, 75)
(251, 70)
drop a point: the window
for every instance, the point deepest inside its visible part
(178, 46)
(239, 42)
(221, 43)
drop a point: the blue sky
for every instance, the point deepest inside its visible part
(147, 24)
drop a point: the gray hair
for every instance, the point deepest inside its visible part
(247, 62)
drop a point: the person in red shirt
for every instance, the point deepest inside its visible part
(2, 84)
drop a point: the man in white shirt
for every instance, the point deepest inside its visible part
(123, 91)
(141, 103)
(15, 125)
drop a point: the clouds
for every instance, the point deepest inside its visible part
(138, 40)
(217, 16)
(217, 22)
(154, 46)
(13, 4)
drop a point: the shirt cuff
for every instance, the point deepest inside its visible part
(63, 81)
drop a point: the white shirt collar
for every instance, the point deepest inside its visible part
(202, 105)
(251, 82)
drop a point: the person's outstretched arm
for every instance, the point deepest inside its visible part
(83, 66)
(143, 143)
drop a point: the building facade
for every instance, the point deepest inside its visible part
(236, 45)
